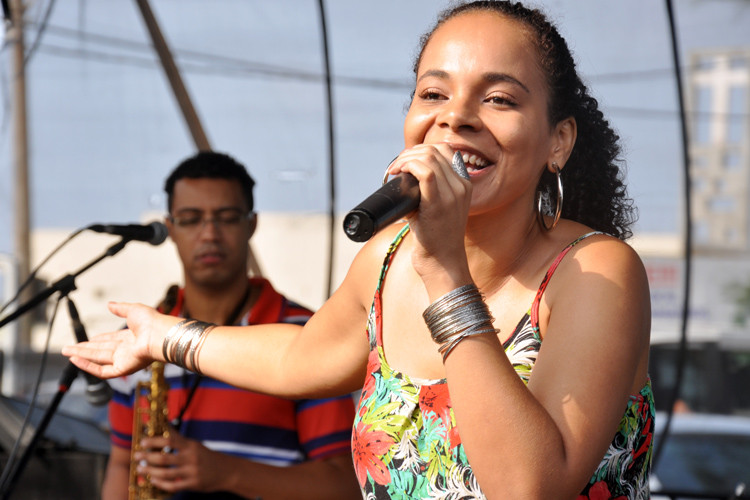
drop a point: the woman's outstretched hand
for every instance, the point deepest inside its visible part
(126, 351)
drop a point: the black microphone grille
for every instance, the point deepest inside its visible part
(160, 233)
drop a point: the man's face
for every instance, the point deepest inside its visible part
(209, 224)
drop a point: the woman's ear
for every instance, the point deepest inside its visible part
(563, 140)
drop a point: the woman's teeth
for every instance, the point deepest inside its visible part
(473, 162)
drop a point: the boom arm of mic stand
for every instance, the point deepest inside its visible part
(64, 285)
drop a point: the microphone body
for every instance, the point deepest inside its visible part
(394, 200)
(391, 202)
(98, 392)
(154, 233)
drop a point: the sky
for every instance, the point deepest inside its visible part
(104, 129)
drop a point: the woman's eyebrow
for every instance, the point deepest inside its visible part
(489, 77)
(504, 77)
(436, 73)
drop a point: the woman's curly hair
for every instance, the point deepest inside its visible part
(595, 193)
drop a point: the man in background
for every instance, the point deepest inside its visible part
(226, 442)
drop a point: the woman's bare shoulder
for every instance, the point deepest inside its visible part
(600, 266)
(362, 277)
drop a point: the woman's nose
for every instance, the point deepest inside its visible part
(460, 112)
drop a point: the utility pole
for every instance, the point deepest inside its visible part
(20, 166)
(182, 96)
(173, 77)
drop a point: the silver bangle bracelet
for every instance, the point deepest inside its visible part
(436, 308)
(183, 342)
(457, 315)
(196, 347)
(168, 338)
(178, 341)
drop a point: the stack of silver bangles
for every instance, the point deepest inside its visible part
(184, 341)
(457, 315)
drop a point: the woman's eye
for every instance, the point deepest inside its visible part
(430, 95)
(500, 100)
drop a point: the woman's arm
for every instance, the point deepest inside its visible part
(326, 357)
(550, 436)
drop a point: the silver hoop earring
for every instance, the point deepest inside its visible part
(558, 207)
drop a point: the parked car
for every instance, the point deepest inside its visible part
(704, 454)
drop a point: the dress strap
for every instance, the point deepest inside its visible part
(548, 276)
(374, 329)
(390, 253)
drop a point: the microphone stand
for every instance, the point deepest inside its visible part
(69, 374)
(65, 285)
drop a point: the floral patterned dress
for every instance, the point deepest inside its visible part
(406, 444)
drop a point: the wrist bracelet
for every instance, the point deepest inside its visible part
(196, 347)
(458, 314)
(183, 342)
(168, 338)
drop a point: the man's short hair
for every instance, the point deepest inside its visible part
(211, 165)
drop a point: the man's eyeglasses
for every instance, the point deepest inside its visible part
(229, 218)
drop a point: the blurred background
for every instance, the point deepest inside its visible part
(91, 124)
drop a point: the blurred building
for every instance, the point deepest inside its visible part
(718, 87)
(717, 361)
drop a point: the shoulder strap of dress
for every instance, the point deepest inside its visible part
(391, 251)
(550, 272)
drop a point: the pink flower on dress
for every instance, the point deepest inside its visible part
(367, 448)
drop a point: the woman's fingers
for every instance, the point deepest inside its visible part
(99, 349)
(96, 369)
(120, 309)
(107, 355)
(441, 171)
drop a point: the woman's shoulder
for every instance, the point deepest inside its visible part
(366, 267)
(591, 253)
(377, 247)
(601, 277)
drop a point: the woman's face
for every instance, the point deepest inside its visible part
(480, 89)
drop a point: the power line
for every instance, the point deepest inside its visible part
(239, 69)
(40, 32)
(235, 64)
(202, 61)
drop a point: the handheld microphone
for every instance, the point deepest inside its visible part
(98, 392)
(394, 200)
(154, 233)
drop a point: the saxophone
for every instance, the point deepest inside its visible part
(149, 419)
